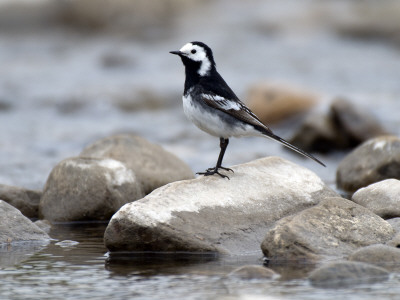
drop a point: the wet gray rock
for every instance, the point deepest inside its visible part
(355, 121)
(379, 255)
(344, 126)
(375, 160)
(15, 227)
(87, 189)
(215, 214)
(318, 133)
(253, 272)
(383, 198)
(26, 201)
(347, 274)
(152, 165)
(334, 227)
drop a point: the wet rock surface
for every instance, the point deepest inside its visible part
(375, 160)
(152, 165)
(379, 255)
(335, 227)
(81, 189)
(216, 214)
(27, 201)
(356, 122)
(347, 274)
(15, 227)
(344, 127)
(318, 133)
(383, 198)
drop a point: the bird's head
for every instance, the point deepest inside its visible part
(197, 56)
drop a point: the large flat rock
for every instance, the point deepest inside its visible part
(215, 214)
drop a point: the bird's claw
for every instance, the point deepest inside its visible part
(223, 168)
(212, 171)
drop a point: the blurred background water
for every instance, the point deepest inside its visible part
(75, 71)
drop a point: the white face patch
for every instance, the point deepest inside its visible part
(198, 55)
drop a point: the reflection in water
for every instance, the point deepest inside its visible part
(85, 270)
(13, 254)
(155, 263)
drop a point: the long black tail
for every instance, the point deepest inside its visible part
(290, 146)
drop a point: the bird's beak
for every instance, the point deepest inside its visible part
(176, 52)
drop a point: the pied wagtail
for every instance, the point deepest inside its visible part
(213, 107)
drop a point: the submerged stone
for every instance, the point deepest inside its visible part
(347, 274)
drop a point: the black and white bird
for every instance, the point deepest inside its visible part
(212, 106)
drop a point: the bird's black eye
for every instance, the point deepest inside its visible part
(193, 51)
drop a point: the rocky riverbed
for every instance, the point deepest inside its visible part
(94, 144)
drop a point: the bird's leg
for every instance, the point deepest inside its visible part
(223, 143)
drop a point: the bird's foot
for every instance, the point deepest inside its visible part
(223, 168)
(212, 171)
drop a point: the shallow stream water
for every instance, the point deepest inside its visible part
(59, 92)
(78, 267)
